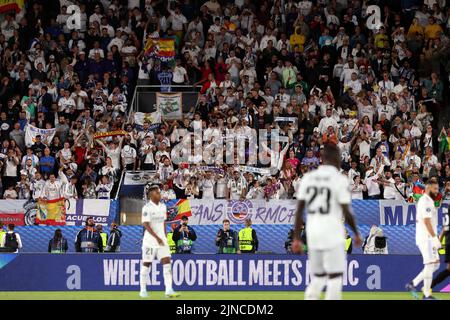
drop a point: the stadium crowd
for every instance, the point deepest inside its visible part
(312, 69)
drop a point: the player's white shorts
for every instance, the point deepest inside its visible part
(150, 253)
(327, 261)
(429, 254)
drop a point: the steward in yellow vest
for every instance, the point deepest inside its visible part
(104, 235)
(442, 249)
(171, 243)
(2, 233)
(348, 243)
(248, 240)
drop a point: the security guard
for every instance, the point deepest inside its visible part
(2, 233)
(113, 243)
(348, 243)
(170, 242)
(104, 235)
(248, 240)
(443, 241)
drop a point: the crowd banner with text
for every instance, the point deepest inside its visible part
(207, 212)
(401, 213)
(103, 211)
(120, 272)
(211, 212)
(12, 211)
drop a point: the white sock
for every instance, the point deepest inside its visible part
(167, 273)
(428, 277)
(143, 278)
(334, 289)
(315, 288)
(419, 278)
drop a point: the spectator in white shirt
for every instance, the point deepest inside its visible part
(354, 83)
(179, 73)
(357, 188)
(177, 20)
(327, 122)
(52, 188)
(386, 85)
(371, 181)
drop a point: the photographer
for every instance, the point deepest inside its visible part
(184, 236)
(227, 239)
(375, 242)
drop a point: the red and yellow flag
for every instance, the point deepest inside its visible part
(51, 212)
(163, 49)
(9, 5)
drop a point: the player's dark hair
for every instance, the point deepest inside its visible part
(331, 155)
(432, 180)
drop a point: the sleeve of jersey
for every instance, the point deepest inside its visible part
(343, 191)
(427, 209)
(145, 215)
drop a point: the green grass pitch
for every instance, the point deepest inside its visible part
(200, 295)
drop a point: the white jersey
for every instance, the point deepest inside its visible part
(156, 215)
(425, 209)
(324, 191)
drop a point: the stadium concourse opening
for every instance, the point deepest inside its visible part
(284, 147)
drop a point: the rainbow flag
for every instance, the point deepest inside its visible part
(178, 208)
(51, 212)
(9, 5)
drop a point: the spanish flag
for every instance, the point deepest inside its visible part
(51, 212)
(177, 209)
(162, 49)
(9, 5)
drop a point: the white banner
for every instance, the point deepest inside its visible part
(31, 132)
(170, 105)
(207, 212)
(285, 119)
(152, 118)
(262, 171)
(137, 178)
(78, 210)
